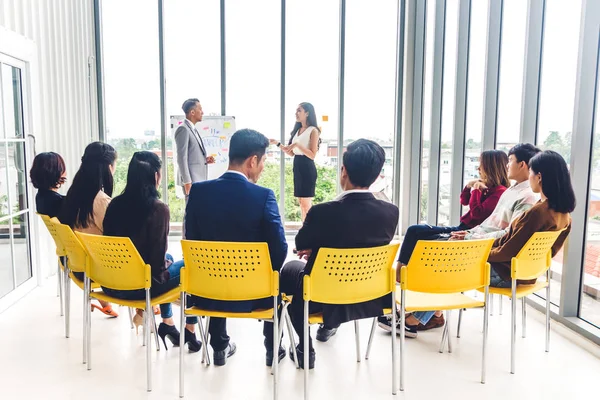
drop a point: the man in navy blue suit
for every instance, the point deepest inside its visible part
(234, 209)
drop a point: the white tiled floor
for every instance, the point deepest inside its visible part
(37, 362)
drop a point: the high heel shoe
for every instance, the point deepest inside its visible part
(106, 310)
(138, 321)
(194, 345)
(168, 331)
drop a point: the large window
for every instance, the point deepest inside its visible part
(557, 93)
(369, 98)
(512, 54)
(311, 75)
(590, 300)
(131, 80)
(448, 102)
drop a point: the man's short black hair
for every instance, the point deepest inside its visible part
(524, 152)
(363, 161)
(188, 105)
(247, 143)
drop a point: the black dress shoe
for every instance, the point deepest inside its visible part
(270, 356)
(324, 334)
(311, 357)
(194, 345)
(220, 357)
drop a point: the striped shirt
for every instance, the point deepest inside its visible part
(514, 201)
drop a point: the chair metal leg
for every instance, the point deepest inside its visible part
(448, 335)
(290, 329)
(357, 335)
(149, 312)
(460, 312)
(88, 311)
(548, 313)
(402, 336)
(204, 336)
(60, 279)
(145, 327)
(281, 323)
(306, 349)
(130, 316)
(276, 341)
(485, 334)
(500, 298)
(444, 335)
(491, 305)
(523, 318)
(394, 355)
(371, 338)
(85, 316)
(513, 327)
(181, 343)
(67, 294)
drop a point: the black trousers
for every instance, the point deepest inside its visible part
(219, 339)
(291, 283)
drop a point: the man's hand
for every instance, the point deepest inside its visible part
(210, 159)
(273, 141)
(304, 254)
(458, 235)
(186, 188)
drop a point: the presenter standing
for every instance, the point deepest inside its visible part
(303, 146)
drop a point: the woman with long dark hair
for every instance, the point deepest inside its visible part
(89, 195)
(548, 176)
(139, 215)
(48, 173)
(303, 146)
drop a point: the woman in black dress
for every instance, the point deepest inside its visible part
(48, 174)
(303, 146)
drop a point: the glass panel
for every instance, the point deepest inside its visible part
(20, 230)
(368, 92)
(131, 80)
(17, 177)
(11, 93)
(512, 54)
(590, 299)
(448, 101)
(6, 266)
(250, 82)
(311, 75)
(427, 110)
(557, 94)
(475, 90)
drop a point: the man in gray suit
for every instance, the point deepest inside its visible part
(192, 159)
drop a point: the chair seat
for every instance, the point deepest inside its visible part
(168, 297)
(80, 283)
(256, 314)
(417, 301)
(522, 290)
(317, 318)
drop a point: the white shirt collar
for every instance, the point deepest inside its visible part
(192, 125)
(236, 172)
(524, 184)
(347, 192)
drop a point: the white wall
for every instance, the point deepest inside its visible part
(56, 40)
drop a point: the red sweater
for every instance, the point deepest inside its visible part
(481, 204)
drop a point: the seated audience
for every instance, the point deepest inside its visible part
(549, 176)
(139, 215)
(481, 195)
(356, 219)
(48, 173)
(88, 197)
(234, 209)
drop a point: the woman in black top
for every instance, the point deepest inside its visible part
(48, 174)
(138, 214)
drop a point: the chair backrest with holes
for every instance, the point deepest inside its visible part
(447, 267)
(233, 271)
(60, 248)
(535, 257)
(348, 276)
(115, 262)
(74, 249)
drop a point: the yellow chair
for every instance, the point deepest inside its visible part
(60, 252)
(228, 271)
(115, 263)
(435, 278)
(533, 260)
(349, 276)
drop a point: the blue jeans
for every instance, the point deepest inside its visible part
(156, 290)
